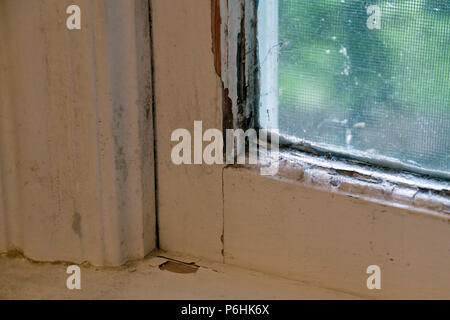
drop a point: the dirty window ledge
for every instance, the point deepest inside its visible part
(376, 184)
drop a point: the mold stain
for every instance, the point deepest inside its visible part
(76, 223)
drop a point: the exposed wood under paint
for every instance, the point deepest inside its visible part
(216, 35)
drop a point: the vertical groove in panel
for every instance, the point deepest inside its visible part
(76, 161)
(146, 125)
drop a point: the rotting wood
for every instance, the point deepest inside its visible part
(216, 36)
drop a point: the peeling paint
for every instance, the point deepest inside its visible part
(179, 267)
(398, 189)
(238, 52)
(216, 35)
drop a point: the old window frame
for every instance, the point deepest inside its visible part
(242, 49)
(283, 225)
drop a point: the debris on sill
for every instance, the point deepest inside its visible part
(179, 267)
(363, 181)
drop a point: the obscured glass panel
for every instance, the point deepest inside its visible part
(368, 81)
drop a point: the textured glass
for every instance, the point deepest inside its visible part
(370, 82)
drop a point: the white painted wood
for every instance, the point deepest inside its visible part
(187, 89)
(287, 227)
(268, 47)
(275, 224)
(76, 136)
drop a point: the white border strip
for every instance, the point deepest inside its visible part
(268, 49)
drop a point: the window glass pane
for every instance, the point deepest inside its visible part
(367, 78)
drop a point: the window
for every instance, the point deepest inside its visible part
(362, 79)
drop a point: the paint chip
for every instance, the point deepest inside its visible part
(179, 267)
